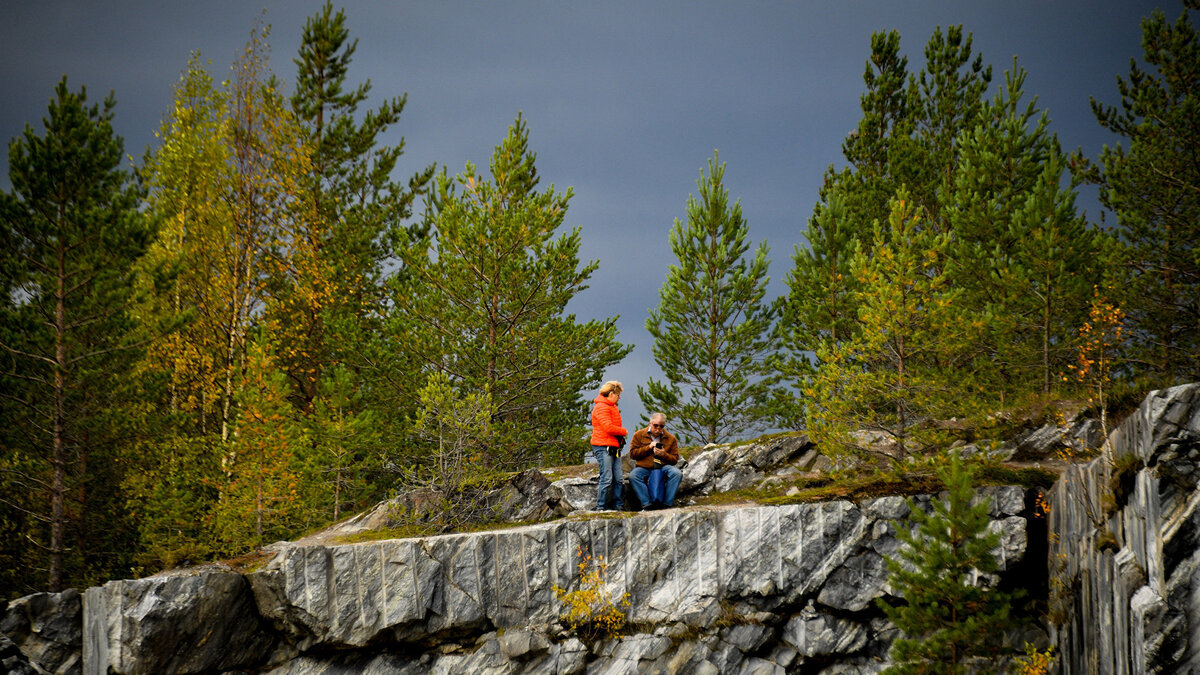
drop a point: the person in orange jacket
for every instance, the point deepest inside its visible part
(608, 437)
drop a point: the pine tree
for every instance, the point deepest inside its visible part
(346, 448)
(986, 173)
(952, 86)
(339, 338)
(1153, 187)
(950, 617)
(485, 303)
(1023, 256)
(851, 200)
(71, 233)
(452, 428)
(353, 193)
(712, 328)
(905, 140)
(819, 309)
(895, 375)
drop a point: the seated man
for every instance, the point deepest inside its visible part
(655, 449)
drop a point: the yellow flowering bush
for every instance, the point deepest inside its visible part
(1035, 661)
(590, 610)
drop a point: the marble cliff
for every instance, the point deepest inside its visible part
(750, 589)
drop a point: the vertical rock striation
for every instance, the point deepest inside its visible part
(1125, 551)
(788, 584)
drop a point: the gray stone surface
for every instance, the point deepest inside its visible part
(43, 629)
(174, 624)
(721, 468)
(812, 633)
(685, 571)
(1133, 552)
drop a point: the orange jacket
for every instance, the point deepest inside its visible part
(606, 423)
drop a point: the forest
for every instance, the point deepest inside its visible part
(259, 328)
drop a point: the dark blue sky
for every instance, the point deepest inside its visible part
(625, 101)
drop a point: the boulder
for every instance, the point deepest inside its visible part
(43, 629)
(198, 623)
(812, 633)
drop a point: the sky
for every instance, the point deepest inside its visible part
(625, 101)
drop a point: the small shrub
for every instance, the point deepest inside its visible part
(590, 611)
(1124, 475)
(1035, 661)
(1107, 541)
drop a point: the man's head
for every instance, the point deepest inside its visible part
(658, 423)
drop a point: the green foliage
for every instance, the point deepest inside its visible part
(819, 309)
(170, 493)
(241, 242)
(345, 454)
(950, 618)
(905, 141)
(450, 430)
(259, 499)
(712, 328)
(1152, 184)
(69, 237)
(985, 175)
(1021, 253)
(362, 209)
(895, 374)
(951, 87)
(486, 306)
(235, 360)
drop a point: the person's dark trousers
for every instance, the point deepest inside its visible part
(610, 478)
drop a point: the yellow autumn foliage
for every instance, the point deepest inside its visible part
(590, 610)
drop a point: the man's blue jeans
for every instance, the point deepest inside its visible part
(610, 479)
(639, 479)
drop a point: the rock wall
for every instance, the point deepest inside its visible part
(727, 590)
(717, 590)
(1124, 560)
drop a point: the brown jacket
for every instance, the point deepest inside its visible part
(641, 449)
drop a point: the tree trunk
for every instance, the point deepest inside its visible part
(58, 457)
(1046, 339)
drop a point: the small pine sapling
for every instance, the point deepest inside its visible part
(950, 618)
